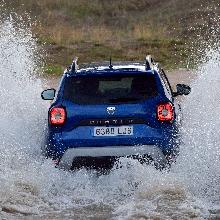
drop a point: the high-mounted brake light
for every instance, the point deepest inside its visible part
(57, 116)
(165, 112)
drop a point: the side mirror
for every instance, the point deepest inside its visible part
(182, 89)
(48, 94)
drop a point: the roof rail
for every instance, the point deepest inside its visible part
(74, 65)
(149, 62)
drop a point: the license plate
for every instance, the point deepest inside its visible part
(113, 131)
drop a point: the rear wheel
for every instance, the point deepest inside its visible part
(144, 159)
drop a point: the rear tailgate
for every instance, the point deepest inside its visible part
(98, 115)
(93, 102)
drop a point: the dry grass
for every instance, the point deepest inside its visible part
(67, 35)
(125, 29)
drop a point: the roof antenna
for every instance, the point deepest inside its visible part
(110, 63)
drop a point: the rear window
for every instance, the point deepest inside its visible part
(114, 89)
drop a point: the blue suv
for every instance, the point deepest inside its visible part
(115, 111)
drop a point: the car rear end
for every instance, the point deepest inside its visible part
(111, 114)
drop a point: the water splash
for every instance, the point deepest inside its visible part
(30, 185)
(192, 187)
(200, 158)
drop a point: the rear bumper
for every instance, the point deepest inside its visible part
(112, 151)
(143, 135)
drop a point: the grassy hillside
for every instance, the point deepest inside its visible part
(126, 29)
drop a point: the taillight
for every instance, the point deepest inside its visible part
(165, 112)
(57, 116)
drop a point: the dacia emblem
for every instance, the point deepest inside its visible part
(111, 110)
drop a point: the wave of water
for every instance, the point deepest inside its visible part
(31, 186)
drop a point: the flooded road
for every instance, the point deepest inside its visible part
(31, 188)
